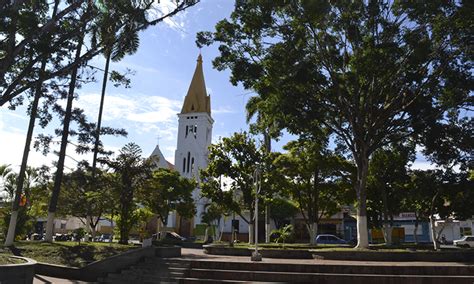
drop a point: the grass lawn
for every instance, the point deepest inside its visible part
(6, 259)
(66, 253)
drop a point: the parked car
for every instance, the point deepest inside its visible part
(168, 236)
(61, 237)
(105, 238)
(330, 239)
(466, 241)
(36, 237)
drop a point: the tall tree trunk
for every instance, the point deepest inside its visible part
(415, 232)
(433, 232)
(26, 150)
(360, 186)
(268, 148)
(387, 228)
(251, 232)
(267, 223)
(62, 152)
(112, 225)
(21, 178)
(101, 107)
(313, 232)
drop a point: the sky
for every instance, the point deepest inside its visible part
(163, 66)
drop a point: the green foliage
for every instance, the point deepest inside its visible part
(213, 213)
(228, 179)
(35, 192)
(282, 211)
(368, 72)
(87, 196)
(50, 29)
(318, 180)
(130, 174)
(283, 234)
(79, 233)
(166, 191)
(386, 182)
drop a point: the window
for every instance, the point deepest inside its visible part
(192, 164)
(189, 158)
(186, 133)
(184, 165)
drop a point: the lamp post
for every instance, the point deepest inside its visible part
(256, 256)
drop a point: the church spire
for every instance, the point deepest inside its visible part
(197, 99)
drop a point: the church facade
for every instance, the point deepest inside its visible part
(191, 155)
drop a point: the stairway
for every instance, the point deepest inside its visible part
(158, 270)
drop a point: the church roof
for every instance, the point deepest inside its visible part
(196, 99)
(159, 159)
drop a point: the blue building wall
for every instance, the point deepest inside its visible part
(350, 230)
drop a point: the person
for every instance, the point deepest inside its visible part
(443, 239)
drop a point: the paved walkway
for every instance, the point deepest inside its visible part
(198, 254)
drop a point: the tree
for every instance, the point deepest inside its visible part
(24, 23)
(166, 191)
(38, 93)
(386, 183)
(264, 126)
(212, 214)
(131, 172)
(110, 26)
(5, 171)
(64, 139)
(316, 179)
(371, 72)
(283, 234)
(282, 211)
(235, 159)
(31, 194)
(86, 196)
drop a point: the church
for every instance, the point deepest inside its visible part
(191, 155)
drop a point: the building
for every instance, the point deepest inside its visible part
(194, 138)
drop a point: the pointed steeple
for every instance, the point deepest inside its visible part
(196, 99)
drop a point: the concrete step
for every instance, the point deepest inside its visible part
(293, 277)
(337, 268)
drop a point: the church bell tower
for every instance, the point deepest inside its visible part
(194, 136)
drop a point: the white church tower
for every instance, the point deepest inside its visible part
(194, 138)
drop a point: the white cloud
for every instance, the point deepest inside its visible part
(177, 23)
(136, 108)
(223, 109)
(135, 67)
(422, 165)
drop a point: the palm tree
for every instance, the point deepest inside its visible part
(5, 173)
(119, 36)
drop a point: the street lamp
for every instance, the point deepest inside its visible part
(256, 256)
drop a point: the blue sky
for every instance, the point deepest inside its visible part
(164, 65)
